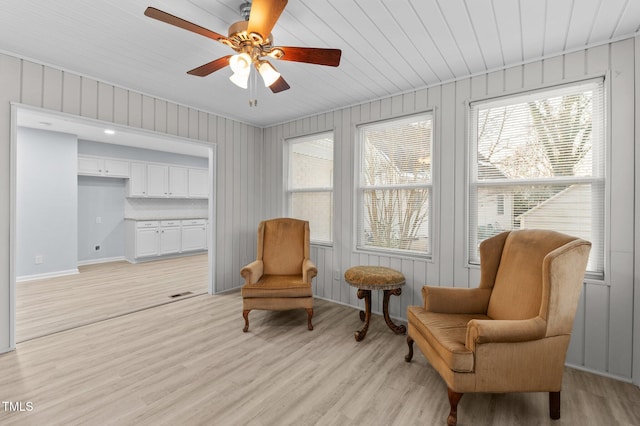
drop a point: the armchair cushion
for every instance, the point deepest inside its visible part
(447, 334)
(283, 246)
(278, 286)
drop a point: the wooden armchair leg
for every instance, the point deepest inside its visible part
(309, 315)
(554, 405)
(454, 398)
(408, 357)
(245, 314)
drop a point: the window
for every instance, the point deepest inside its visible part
(310, 183)
(394, 190)
(538, 161)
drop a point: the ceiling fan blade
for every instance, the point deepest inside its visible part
(210, 67)
(311, 55)
(168, 18)
(279, 86)
(263, 16)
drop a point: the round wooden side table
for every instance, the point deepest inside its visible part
(367, 278)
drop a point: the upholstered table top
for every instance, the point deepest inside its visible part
(374, 277)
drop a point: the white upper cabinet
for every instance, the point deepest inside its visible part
(98, 166)
(157, 181)
(198, 183)
(178, 182)
(137, 185)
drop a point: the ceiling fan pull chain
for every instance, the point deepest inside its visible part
(253, 89)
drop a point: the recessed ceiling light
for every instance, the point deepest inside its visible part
(109, 131)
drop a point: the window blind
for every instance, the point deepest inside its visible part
(537, 160)
(395, 184)
(309, 171)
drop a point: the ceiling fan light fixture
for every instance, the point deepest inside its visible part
(268, 73)
(240, 63)
(240, 79)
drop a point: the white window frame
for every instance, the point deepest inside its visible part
(604, 181)
(288, 192)
(359, 191)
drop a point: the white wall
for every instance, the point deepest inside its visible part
(46, 203)
(602, 338)
(104, 198)
(238, 154)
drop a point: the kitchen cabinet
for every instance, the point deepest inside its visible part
(150, 239)
(146, 239)
(99, 166)
(169, 237)
(198, 183)
(152, 180)
(157, 181)
(194, 235)
(137, 185)
(178, 182)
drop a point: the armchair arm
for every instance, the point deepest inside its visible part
(449, 300)
(309, 270)
(252, 272)
(504, 331)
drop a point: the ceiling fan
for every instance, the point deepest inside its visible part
(252, 41)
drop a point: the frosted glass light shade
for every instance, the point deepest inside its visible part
(240, 80)
(240, 63)
(268, 73)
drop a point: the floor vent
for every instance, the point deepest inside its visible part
(186, 293)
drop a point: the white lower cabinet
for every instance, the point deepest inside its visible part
(146, 239)
(155, 238)
(169, 237)
(194, 235)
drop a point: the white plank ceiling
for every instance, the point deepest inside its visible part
(388, 47)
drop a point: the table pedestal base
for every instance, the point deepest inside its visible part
(366, 314)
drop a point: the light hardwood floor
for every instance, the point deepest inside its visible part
(104, 291)
(189, 363)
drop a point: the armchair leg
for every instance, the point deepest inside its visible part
(309, 315)
(554, 405)
(454, 398)
(245, 314)
(408, 357)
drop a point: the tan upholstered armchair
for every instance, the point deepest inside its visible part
(512, 332)
(280, 278)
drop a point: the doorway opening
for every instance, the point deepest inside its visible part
(81, 235)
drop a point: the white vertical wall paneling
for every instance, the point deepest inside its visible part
(160, 116)
(135, 109)
(447, 206)
(88, 98)
(120, 106)
(32, 87)
(460, 271)
(622, 132)
(636, 294)
(10, 81)
(52, 87)
(71, 92)
(228, 205)
(433, 267)
(105, 102)
(596, 312)
(183, 121)
(172, 119)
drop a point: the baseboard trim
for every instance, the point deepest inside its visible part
(103, 260)
(600, 373)
(47, 275)
(5, 350)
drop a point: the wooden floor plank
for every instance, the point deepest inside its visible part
(189, 363)
(104, 291)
